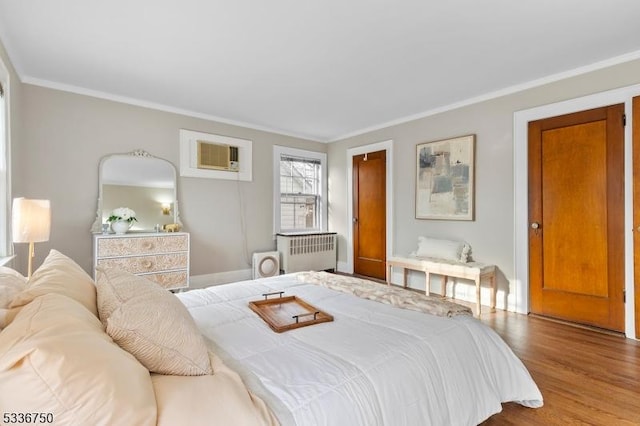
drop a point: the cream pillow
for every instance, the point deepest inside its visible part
(11, 284)
(55, 358)
(60, 274)
(151, 323)
(443, 249)
(217, 399)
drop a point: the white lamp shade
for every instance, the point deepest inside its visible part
(31, 220)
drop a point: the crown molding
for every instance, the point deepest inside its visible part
(628, 57)
(156, 106)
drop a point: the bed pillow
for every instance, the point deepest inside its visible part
(11, 284)
(443, 249)
(60, 274)
(151, 323)
(55, 358)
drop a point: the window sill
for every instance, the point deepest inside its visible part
(6, 259)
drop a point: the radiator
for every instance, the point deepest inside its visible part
(307, 252)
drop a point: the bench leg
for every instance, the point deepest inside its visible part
(427, 279)
(445, 280)
(478, 296)
(389, 271)
(405, 273)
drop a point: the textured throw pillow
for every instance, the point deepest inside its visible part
(151, 323)
(443, 249)
(11, 284)
(56, 358)
(60, 274)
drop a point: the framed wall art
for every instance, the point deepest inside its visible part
(445, 179)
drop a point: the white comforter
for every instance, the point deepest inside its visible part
(375, 364)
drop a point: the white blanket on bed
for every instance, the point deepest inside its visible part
(375, 364)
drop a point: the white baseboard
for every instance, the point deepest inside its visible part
(207, 280)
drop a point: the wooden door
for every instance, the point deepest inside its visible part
(636, 209)
(576, 217)
(369, 214)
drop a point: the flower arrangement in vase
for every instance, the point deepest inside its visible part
(121, 219)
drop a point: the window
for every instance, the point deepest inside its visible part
(5, 191)
(300, 190)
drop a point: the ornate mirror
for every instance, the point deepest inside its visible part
(141, 182)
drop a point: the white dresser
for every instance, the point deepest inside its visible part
(159, 257)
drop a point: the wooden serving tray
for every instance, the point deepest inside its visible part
(288, 313)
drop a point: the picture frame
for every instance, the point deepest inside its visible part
(445, 179)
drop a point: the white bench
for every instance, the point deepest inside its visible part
(447, 268)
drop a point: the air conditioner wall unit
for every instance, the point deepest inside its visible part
(216, 156)
(242, 157)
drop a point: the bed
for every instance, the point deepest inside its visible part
(123, 351)
(389, 357)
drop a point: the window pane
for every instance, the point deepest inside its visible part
(299, 212)
(299, 176)
(286, 185)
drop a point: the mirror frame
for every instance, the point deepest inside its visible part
(96, 228)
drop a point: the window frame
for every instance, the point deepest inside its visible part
(6, 248)
(278, 152)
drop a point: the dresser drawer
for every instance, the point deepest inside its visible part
(127, 246)
(143, 264)
(169, 280)
(162, 258)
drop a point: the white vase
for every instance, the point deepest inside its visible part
(120, 227)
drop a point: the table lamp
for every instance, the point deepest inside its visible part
(31, 223)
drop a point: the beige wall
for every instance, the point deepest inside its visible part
(66, 134)
(492, 233)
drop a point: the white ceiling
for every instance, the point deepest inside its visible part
(316, 69)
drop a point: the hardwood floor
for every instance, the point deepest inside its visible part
(586, 377)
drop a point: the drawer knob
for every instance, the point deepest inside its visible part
(148, 245)
(147, 264)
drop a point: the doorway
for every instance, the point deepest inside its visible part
(369, 214)
(576, 217)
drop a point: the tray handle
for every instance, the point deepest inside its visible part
(266, 295)
(297, 317)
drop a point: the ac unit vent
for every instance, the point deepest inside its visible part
(218, 156)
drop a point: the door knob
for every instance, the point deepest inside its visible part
(535, 225)
(354, 220)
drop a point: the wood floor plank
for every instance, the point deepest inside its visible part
(586, 377)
